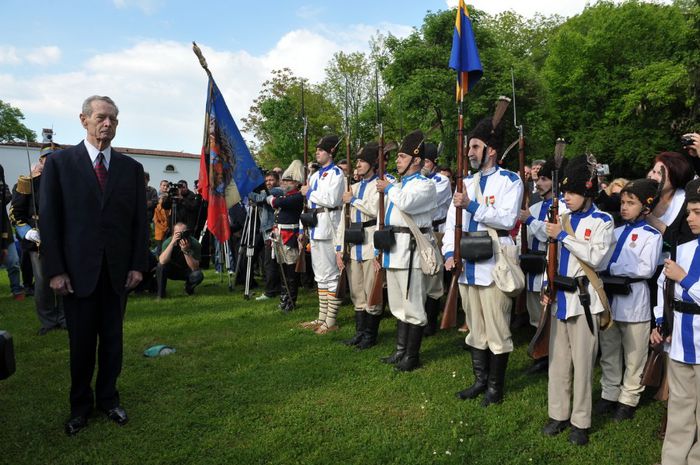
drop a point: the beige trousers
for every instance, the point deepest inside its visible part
(681, 445)
(534, 308)
(412, 309)
(487, 311)
(624, 348)
(361, 275)
(572, 353)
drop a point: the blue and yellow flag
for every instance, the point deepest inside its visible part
(464, 57)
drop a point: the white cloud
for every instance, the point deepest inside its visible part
(44, 55)
(147, 6)
(160, 87)
(8, 55)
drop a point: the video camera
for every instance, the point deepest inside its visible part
(173, 189)
(687, 141)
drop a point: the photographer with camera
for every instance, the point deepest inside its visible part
(186, 202)
(179, 260)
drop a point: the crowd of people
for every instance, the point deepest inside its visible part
(611, 265)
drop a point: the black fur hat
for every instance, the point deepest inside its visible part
(485, 132)
(369, 153)
(329, 144)
(431, 151)
(413, 144)
(692, 191)
(547, 170)
(580, 177)
(646, 190)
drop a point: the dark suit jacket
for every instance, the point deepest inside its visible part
(80, 225)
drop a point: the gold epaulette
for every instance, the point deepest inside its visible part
(24, 185)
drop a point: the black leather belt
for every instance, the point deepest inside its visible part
(437, 223)
(499, 233)
(406, 230)
(326, 209)
(369, 223)
(686, 307)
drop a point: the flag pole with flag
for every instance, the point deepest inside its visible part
(227, 170)
(464, 59)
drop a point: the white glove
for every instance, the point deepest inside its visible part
(33, 235)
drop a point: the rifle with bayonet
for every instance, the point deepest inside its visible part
(301, 261)
(521, 302)
(539, 346)
(341, 288)
(377, 295)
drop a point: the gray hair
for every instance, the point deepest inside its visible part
(87, 104)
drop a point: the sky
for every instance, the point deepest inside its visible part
(55, 54)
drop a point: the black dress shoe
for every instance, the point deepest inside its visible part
(554, 427)
(75, 424)
(604, 407)
(117, 415)
(623, 412)
(578, 436)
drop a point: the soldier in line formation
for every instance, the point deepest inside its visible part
(588, 245)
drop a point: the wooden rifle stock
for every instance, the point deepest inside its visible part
(539, 346)
(376, 297)
(449, 312)
(521, 302)
(342, 286)
(300, 266)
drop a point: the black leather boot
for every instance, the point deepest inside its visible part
(432, 309)
(369, 335)
(360, 321)
(401, 337)
(480, 366)
(497, 377)
(411, 360)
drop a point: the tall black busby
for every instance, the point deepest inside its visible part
(692, 191)
(329, 144)
(431, 151)
(490, 130)
(580, 177)
(646, 190)
(413, 144)
(369, 153)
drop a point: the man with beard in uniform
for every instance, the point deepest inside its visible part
(486, 307)
(285, 232)
(443, 188)
(324, 195)
(406, 283)
(363, 199)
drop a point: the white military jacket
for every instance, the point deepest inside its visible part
(414, 195)
(685, 340)
(502, 192)
(443, 189)
(636, 254)
(537, 237)
(363, 207)
(592, 242)
(326, 190)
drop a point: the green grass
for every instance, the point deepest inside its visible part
(248, 386)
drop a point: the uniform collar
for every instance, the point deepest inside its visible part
(405, 179)
(636, 224)
(586, 213)
(489, 172)
(367, 181)
(323, 170)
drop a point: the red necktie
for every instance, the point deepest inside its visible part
(101, 171)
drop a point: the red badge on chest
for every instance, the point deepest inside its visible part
(324, 174)
(634, 237)
(587, 234)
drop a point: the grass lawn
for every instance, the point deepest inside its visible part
(248, 386)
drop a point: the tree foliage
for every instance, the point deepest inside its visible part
(11, 127)
(619, 80)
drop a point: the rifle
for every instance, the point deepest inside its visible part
(449, 315)
(377, 295)
(520, 304)
(539, 346)
(301, 261)
(341, 288)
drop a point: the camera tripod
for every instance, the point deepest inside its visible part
(250, 230)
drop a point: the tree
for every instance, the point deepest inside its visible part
(11, 127)
(275, 119)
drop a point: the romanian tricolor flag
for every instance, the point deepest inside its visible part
(227, 171)
(464, 57)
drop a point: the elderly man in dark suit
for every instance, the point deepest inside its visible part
(94, 245)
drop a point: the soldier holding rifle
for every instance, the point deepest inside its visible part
(585, 238)
(324, 195)
(411, 199)
(363, 201)
(490, 199)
